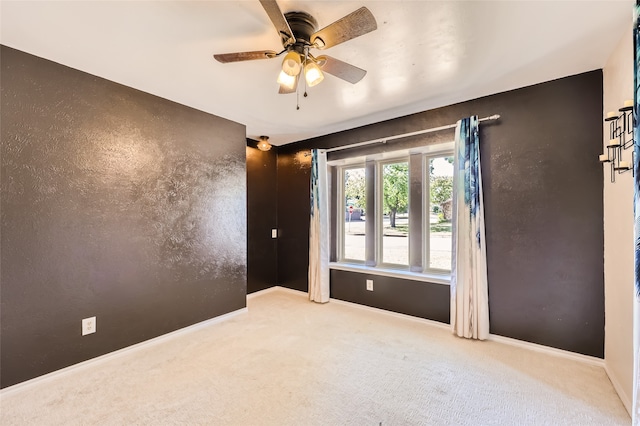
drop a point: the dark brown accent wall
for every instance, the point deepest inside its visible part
(115, 204)
(543, 211)
(293, 217)
(262, 259)
(420, 299)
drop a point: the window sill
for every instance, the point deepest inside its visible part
(393, 273)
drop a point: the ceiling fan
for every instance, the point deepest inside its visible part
(298, 33)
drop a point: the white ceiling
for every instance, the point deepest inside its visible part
(424, 54)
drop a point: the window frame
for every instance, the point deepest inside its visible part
(379, 200)
(426, 207)
(376, 266)
(341, 218)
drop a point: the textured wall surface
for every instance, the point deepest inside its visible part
(543, 209)
(115, 204)
(293, 217)
(262, 259)
(416, 298)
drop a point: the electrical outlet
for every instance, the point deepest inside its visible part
(88, 326)
(370, 285)
(274, 233)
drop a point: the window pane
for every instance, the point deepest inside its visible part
(395, 207)
(354, 214)
(440, 199)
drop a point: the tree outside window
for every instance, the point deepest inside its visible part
(395, 220)
(386, 243)
(395, 178)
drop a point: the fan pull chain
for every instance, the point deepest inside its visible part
(304, 79)
(306, 58)
(298, 93)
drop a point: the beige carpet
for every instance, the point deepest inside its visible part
(292, 362)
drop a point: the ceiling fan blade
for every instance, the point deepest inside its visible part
(341, 69)
(351, 26)
(278, 19)
(285, 90)
(245, 56)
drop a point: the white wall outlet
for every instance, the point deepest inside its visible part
(274, 233)
(370, 285)
(88, 326)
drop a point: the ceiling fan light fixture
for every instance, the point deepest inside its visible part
(286, 80)
(264, 144)
(313, 74)
(291, 64)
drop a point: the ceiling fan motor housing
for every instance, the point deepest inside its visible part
(303, 26)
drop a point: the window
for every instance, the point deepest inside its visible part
(395, 213)
(353, 208)
(394, 210)
(439, 213)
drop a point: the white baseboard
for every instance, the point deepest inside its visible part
(432, 323)
(591, 360)
(626, 399)
(493, 337)
(292, 291)
(280, 289)
(264, 291)
(90, 363)
(151, 342)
